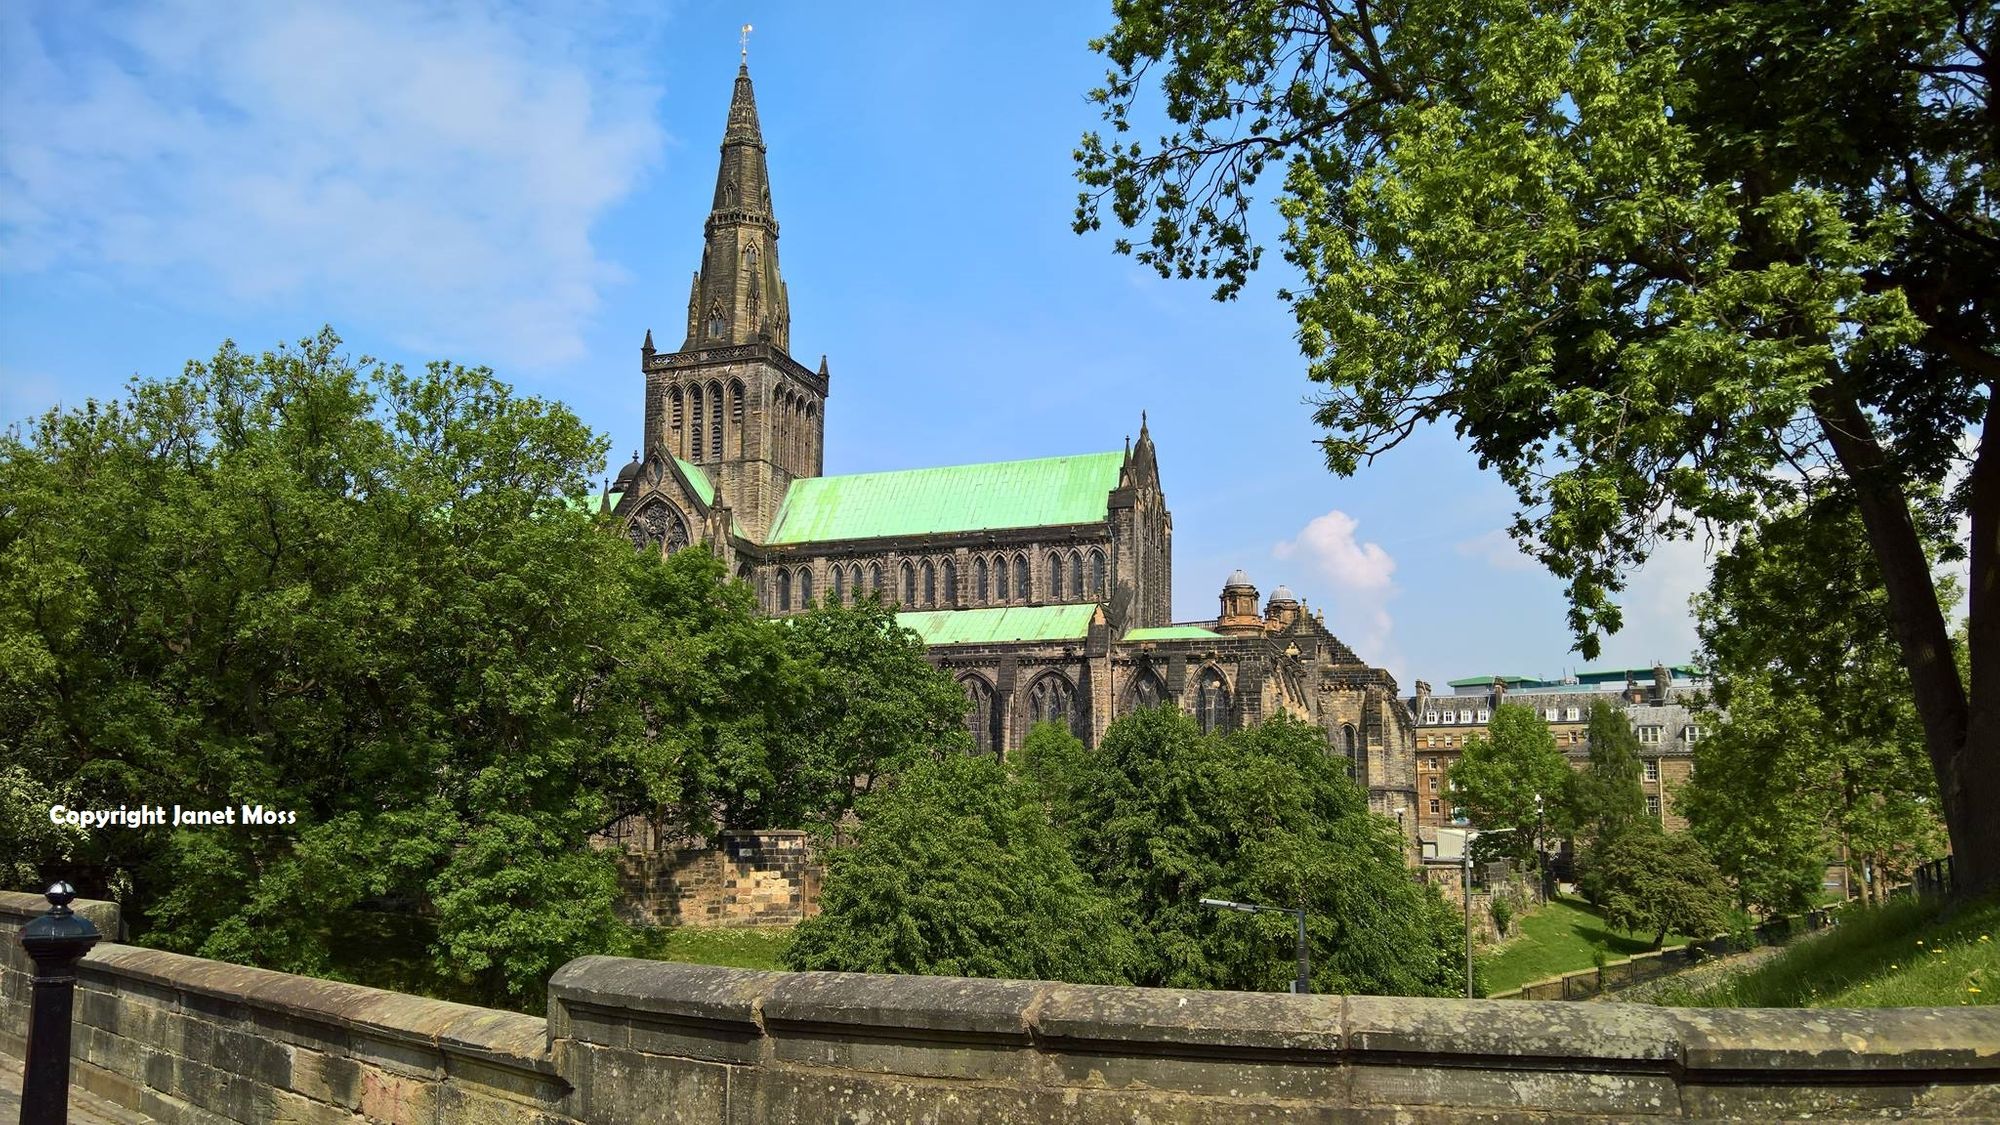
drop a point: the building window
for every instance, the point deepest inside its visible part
(1435, 808)
(1147, 691)
(1550, 714)
(1652, 806)
(1431, 718)
(1434, 783)
(1652, 769)
(715, 434)
(1690, 734)
(874, 579)
(1485, 715)
(784, 591)
(1097, 572)
(1076, 577)
(695, 413)
(979, 581)
(805, 587)
(950, 582)
(983, 719)
(930, 583)
(910, 584)
(839, 586)
(1049, 702)
(1211, 703)
(1000, 580)
(1649, 735)
(1021, 577)
(1571, 715)
(1055, 577)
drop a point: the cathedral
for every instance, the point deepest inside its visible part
(1043, 586)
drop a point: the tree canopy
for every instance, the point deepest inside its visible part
(1513, 777)
(1608, 796)
(1661, 263)
(379, 600)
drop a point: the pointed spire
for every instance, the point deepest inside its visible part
(647, 347)
(822, 365)
(738, 295)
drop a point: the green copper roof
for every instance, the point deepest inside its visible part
(703, 487)
(989, 626)
(1037, 493)
(1173, 633)
(1479, 681)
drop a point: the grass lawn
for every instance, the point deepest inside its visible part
(1557, 937)
(1909, 953)
(730, 948)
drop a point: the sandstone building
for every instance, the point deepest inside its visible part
(1042, 585)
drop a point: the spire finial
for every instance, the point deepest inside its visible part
(745, 39)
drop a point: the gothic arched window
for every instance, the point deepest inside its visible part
(1349, 746)
(1021, 577)
(839, 594)
(1076, 587)
(1000, 579)
(715, 436)
(695, 412)
(930, 583)
(1211, 702)
(736, 418)
(1097, 573)
(979, 581)
(1147, 690)
(909, 585)
(1052, 701)
(983, 718)
(784, 591)
(679, 419)
(716, 325)
(805, 587)
(874, 579)
(1055, 577)
(659, 526)
(950, 582)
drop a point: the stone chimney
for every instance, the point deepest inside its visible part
(1661, 678)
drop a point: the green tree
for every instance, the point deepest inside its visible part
(1655, 881)
(379, 600)
(1609, 797)
(955, 871)
(1818, 736)
(1161, 816)
(1513, 777)
(1661, 262)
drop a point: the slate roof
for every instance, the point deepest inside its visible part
(1006, 623)
(1042, 492)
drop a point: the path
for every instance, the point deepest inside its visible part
(84, 1108)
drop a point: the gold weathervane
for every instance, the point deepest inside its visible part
(747, 29)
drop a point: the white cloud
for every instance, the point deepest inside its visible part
(433, 172)
(1659, 623)
(1496, 549)
(1328, 544)
(1362, 578)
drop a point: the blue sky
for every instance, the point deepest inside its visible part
(523, 186)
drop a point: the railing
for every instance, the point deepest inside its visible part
(1933, 878)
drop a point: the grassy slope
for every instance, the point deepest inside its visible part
(1557, 938)
(1906, 954)
(729, 948)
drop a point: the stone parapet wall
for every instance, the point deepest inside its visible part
(768, 878)
(188, 1040)
(182, 1039)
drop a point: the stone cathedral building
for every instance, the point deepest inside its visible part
(1042, 585)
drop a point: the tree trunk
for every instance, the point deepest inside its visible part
(1963, 741)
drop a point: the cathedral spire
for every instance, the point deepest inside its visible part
(738, 297)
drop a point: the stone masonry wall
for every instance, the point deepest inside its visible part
(188, 1040)
(768, 878)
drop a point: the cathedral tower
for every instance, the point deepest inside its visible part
(731, 399)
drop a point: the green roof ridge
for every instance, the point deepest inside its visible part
(1035, 492)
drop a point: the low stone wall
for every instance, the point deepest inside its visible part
(768, 878)
(183, 1039)
(189, 1040)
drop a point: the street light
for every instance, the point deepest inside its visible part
(1302, 985)
(1465, 859)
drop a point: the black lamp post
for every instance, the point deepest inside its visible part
(56, 941)
(1303, 985)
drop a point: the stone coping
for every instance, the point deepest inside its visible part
(510, 1039)
(1832, 1044)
